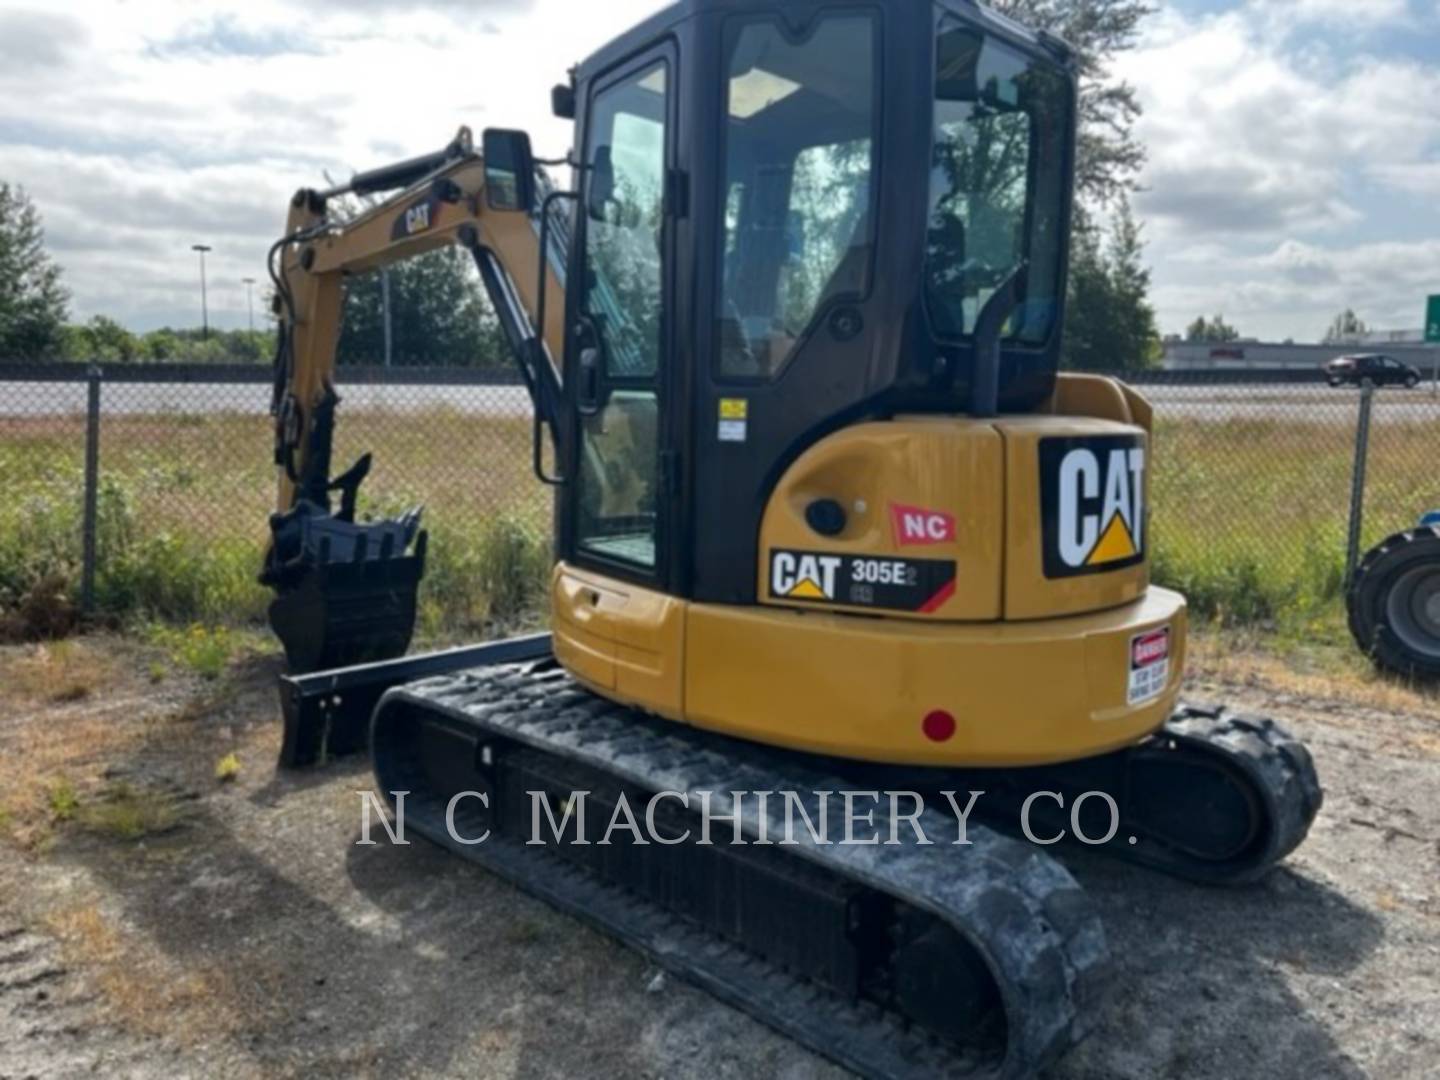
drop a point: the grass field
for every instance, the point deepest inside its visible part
(184, 502)
(1250, 515)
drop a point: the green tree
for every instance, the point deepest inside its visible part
(194, 346)
(33, 302)
(1343, 327)
(163, 345)
(102, 340)
(1111, 326)
(439, 315)
(1215, 331)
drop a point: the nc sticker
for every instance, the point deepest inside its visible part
(916, 526)
(1093, 504)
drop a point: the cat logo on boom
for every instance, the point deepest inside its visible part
(1093, 494)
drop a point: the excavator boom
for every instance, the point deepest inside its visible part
(346, 592)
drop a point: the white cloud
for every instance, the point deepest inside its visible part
(1274, 161)
(1347, 12)
(1417, 177)
(34, 41)
(144, 127)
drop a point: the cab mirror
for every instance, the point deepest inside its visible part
(509, 170)
(562, 101)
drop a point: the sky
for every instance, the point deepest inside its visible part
(1294, 145)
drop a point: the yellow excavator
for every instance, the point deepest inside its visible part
(830, 526)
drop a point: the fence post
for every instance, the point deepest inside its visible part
(1357, 483)
(92, 488)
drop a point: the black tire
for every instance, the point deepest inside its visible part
(1334, 382)
(1394, 604)
(1411, 382)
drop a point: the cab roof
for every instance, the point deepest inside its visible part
(668, 18)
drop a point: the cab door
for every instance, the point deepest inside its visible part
(618, 356)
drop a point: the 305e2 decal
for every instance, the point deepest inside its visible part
(918, 585)
(1092, 493)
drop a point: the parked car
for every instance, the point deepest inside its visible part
(1376, 369)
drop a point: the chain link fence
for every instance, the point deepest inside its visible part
(1254, 478)
(148, 488)
(172, 520)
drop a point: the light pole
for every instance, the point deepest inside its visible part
(204, 300)
(385, 311)
(249, 284)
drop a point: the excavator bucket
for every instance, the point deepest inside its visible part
(345, 596)
(345, 592)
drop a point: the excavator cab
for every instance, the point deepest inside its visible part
(815, 289)
(784, 225)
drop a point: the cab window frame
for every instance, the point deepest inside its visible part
(946, 20)
(731, 29)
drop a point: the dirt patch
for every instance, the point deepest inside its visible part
(229, 925)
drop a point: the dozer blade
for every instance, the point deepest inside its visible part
(327, 713)
(895, 960)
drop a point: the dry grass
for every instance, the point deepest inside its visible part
(73, 770)
(62, 672)
(128, 812)
(143, 989)
(1333, 674)
(75, 709)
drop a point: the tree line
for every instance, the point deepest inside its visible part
(438, 313)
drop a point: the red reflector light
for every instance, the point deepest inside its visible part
(939, 726)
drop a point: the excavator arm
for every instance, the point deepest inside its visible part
(346, 590)
(442, 199)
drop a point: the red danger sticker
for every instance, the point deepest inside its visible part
(1149, 666)
(1150, 648)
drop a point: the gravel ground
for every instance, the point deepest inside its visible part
(156, 922)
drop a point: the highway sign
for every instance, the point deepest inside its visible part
(1432, 320)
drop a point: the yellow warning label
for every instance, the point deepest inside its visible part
(734, 409)
(1116, 545)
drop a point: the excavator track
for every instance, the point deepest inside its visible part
(1215, 797)
(903, 960)
(1251, 750)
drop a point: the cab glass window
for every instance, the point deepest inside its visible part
(800, 164)
(997, 184)
(625, 200)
